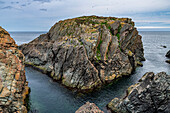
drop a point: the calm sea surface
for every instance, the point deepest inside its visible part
(48, 96)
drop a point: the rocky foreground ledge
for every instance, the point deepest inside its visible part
(150, 95)
(13, 85)
(86, 52)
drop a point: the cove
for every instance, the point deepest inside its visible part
(47, 96)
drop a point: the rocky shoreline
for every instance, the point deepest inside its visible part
(150, 95)
(87, 52)
(13, 85)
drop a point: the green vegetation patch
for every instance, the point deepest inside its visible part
(98, 48)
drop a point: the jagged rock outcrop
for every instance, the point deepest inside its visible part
(150, 95)
(168, 61)
(88, 51)
(168, 54)
(89, 108)
(13, 85)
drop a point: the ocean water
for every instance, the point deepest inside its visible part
(24, 37)
(48, 96)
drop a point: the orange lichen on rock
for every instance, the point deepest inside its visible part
(13, 85)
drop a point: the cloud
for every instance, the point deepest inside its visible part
(1, 2)
(23, 5)
(14, 2)
(7, 7)
(42, 0)
(43, 9)
(144, 12)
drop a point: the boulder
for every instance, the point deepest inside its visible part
(13, 84)
(149, 95)
(86, 52)
(89, 108)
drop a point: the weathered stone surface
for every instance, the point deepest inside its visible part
(89, 108)
(149, 95)
(86, 52)
(168, 54)
(13, 85)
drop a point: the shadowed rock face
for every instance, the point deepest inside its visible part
(168, 54)
(13, 85)
(89, 108)
(86, 52)
(149, 95)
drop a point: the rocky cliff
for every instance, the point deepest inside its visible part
(13, 85)
(150, 95)
(87, 51)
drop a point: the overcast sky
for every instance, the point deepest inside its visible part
(40, 15)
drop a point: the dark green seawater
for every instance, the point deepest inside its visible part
(48, 96)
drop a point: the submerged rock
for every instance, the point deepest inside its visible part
(163, 46)
(86, 52)
(89, 108)
(149, 95)
(13, 85)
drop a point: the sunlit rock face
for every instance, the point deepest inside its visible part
(13, 85)
(89, 108)
(149, 95)
(86, 52)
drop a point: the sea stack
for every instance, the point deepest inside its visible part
(13, 85)
(149, 95)
(86, 52)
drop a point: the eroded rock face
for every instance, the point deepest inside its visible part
(150, 95)
(13, 85)
(89, 108)
(86, 52)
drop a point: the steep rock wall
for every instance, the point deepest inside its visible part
(13, 85)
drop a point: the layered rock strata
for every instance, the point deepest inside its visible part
(87, 51)
(89, 108)
(150, 95)
(13, 85)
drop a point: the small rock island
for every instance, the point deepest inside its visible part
(13, 84)
(86, 52)
(168, 56)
